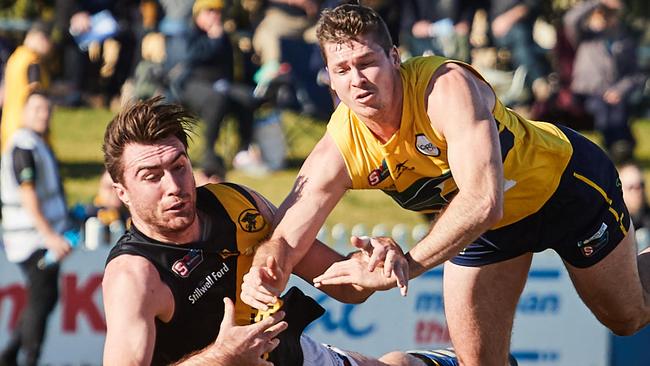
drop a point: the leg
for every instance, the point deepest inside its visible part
(243, 104)
(211, 106)
(480, 304)
(42, 288)
(616, 288)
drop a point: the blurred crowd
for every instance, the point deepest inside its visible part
(585, 67)
(248, 60)
(253, 58)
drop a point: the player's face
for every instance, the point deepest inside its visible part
(363, 75)
(158, 188)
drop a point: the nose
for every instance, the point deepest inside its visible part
(173, 185)
(358, 78)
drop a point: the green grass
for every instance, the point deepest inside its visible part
(77, 136)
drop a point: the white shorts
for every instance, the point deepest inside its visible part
(318, 354)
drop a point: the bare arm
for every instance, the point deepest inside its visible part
(318, 258)
(459, 106)
(53, 240)
(502, 24)
(321, 182)
(134, 296)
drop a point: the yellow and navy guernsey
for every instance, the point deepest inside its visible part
(22, 75)
(201, 274)
(413, 168)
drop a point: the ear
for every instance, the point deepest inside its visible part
(331, 84)
(122, 194)
(395, 57)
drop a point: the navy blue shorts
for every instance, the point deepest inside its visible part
(583, 221)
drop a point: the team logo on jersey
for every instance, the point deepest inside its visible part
(250, 220)
(379, 174)
(426, 147)
(595, 242)
(184, 266)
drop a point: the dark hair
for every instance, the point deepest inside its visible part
(144, 122)
(347, 22)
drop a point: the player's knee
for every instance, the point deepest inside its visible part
(624, 323)
(395, 358)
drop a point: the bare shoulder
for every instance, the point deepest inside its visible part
(325, 165)
(452, 76)
(130, 268)
(456, 92)
(133, 279)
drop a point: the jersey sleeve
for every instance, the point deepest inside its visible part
(24, 166)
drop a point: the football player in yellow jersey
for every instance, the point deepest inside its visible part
(431, 133)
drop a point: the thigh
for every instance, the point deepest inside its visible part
(612, 288)
(480, 304)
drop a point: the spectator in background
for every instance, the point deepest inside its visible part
(605, 70)
(438, 27)
(102, 67)
(205, 82)
(512, 28)
(149, 78)
(34, 218)
(107, 205)
(634, 195)
(176, 25)
(24, 73)
(282, 18)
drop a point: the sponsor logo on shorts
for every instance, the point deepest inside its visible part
(595, 242)
(251, 221)
(184, 266)
(426, 147)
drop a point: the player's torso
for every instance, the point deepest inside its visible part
(203, 273)
(413, 166)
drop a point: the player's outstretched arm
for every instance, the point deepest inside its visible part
(379, 264)
(321, 182)
(256, 288)
(240, 345)
(460, 107)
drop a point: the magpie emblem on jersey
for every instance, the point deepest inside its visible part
(426, 147)
(250, 220)
(184, 266)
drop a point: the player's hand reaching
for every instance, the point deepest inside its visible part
(260, 285)
(245, 345)
(379, 265)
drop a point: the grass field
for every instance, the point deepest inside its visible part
(77, 136)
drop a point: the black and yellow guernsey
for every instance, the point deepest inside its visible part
(201, 274)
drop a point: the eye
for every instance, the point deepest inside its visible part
(340, 71)
(151, 177)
